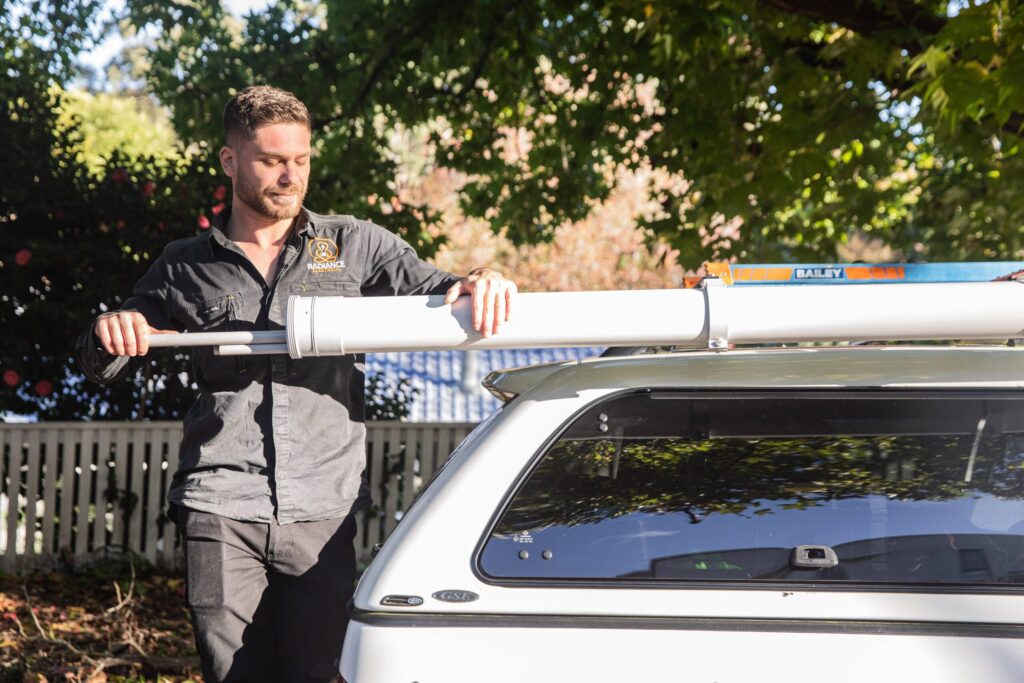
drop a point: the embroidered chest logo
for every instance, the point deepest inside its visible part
(324, 254)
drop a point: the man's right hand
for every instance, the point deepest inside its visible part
(125, 333)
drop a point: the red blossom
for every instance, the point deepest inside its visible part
(148, 188)
(11, 378)
(44, 388)
(119, 175)
(59, 214)
(220, 193)
(22, 257)
(217, 208)
(120, 225)
(161, 226)
(204, 222)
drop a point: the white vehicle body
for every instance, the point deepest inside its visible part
(685, 631)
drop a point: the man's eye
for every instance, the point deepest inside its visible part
(268, 162)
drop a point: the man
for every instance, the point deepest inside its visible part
(272, 460)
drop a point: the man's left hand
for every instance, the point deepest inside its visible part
(492, 298)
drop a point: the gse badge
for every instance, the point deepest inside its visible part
(455, 596)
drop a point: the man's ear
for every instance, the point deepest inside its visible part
(227, 161)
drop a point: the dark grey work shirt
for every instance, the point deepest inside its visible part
(270, 435)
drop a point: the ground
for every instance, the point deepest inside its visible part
(116, 622)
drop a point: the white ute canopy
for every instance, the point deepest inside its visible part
(735, 305)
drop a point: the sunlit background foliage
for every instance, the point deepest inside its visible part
(577, 144)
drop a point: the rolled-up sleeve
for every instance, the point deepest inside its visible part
(394, 268)
(150, 298)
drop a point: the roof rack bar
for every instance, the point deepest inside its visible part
(710, 317)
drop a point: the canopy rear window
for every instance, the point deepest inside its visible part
(857, 487)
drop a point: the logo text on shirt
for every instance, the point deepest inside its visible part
(324, 253)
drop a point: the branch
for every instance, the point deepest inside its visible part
(395, 45)
(866, 18)
(48, 638)
(106, 661)
(121, 602)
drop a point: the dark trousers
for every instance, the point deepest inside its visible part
(269, 602)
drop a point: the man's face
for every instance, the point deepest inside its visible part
(270, 173)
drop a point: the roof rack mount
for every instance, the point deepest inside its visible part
(713, 316)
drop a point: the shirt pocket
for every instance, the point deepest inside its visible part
(326, 288)
(218, 313)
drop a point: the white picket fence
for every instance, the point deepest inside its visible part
(76, 492)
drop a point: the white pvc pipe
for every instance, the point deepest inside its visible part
(325, 326)
(715, 316)
(897, 312)
(251, 349)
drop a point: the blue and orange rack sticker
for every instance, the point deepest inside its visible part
(859, 273)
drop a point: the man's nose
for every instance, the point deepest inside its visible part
(289, 174)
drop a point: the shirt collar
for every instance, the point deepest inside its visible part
(219, 233)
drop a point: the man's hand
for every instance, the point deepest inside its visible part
(125, 333)
(492, 298)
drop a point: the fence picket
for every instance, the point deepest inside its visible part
(451, 443)
(4, 466)
(99, 498)
(168, 556)
(117, 534)
(138, 457)
(13, 477)
(33, 460)
(154, 470)
(82, 499)
(50, 511)
(67, 488)
(374, 470)
(391, 458)
(412, 455)
(432, 457)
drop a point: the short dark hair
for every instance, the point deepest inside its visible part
(262, 105)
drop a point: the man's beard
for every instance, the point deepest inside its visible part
(261, 203)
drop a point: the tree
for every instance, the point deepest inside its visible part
(98, 187)
(105, 124)
(769, 129)
(74, 238)
(802, 121)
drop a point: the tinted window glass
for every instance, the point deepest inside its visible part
(882, 488)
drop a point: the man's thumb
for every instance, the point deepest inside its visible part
(453, 293)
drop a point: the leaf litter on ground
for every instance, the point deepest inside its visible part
(113, 622)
